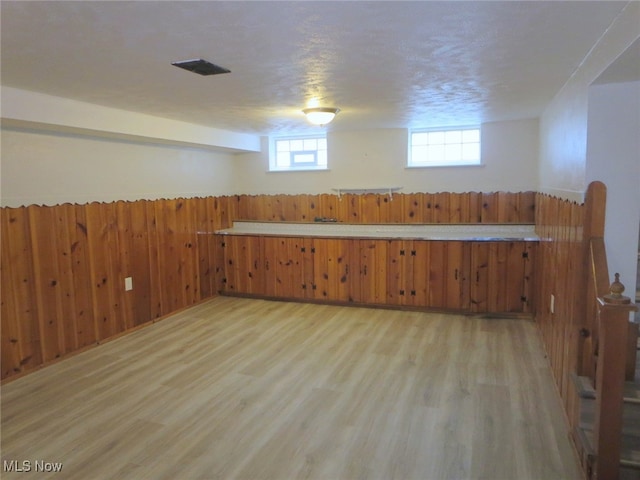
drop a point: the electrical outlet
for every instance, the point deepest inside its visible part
(128, 284)
(552, 303)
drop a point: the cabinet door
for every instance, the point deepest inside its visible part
(405, 277)
(457, 275)
(284, 257)
(448, 265)
(500, 276)
(243, 264)
(332, 269)
(373, 271)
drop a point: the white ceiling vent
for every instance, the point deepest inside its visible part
(201, 67)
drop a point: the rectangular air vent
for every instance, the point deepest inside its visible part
(201, 67)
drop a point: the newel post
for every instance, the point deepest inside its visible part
(614, 309)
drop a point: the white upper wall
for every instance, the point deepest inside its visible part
(563, 125)
(51, 168)
(378, 158)
(48, 163)
(613, 157)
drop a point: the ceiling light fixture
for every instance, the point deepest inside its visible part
(320, 115)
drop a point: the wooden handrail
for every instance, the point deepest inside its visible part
(605, 354)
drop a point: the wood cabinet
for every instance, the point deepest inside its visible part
(474, 276)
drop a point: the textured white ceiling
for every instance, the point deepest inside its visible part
(384, 64)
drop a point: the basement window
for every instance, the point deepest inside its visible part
(444, 148)
(298, 153)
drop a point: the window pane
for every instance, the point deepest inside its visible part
(308, 158)
(471, 152)
(282, 146)
(454, 136)
(322, 158)
(298, 153)
(310, 144)
(435, 153)
(419, 138)
(445, 147)
(452, 152)
(435, 137)
(418, 154)
(471, 136)
(283, 159)
(297, 145)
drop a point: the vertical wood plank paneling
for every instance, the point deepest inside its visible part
(559, 271)
(320, 269)
(457, 207)
(206, 262)
(64, 216)
(441, 212)
(187, 242)
(352, 248)
(98, 241)
(308, 267)
(413, 208)
(270, 247)
(497, 277)
(479, 282)
(526, 207)
(11, 341)
(395, 265)
(139, 264)
(114, 266)
(155, 299)
(529, 277)
(21, 288)
(81, 271)
(428, 200)
(475, 207)
(46, 275)
(420, 273)
(437, 279)
(328, 205)
(302, 208)
(124, 233)
(489, 212)
(457, 290)
(370, 208)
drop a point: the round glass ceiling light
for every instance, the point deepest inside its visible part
(320, 115)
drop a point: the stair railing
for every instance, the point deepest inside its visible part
(608, 356)
(613, 319)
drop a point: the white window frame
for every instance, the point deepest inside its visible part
(316, 164)
(447, 141)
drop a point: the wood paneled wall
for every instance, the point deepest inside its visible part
(63, 267)
(471, 207)
(560, 272)
(63, 271)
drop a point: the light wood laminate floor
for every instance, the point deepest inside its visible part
(252, 389)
